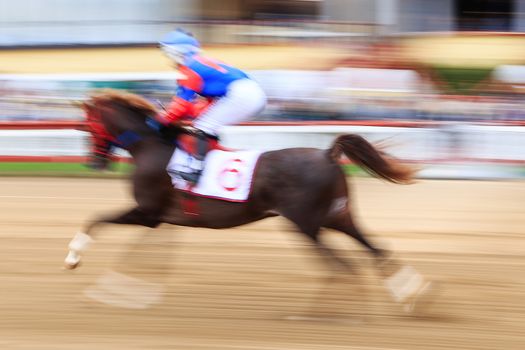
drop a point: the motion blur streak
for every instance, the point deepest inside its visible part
(236, 289)
(440, 83)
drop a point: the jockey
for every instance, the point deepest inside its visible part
(230, 96)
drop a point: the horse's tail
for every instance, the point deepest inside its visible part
(371, 159)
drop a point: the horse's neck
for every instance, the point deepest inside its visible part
(128, 120)
(145, 137)
(151, 148)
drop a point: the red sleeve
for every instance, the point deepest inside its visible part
(178, 109)
(200, 106)
(192, 80)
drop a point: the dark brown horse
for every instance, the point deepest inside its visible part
(307, 186)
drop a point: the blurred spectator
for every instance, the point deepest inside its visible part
(340, 94)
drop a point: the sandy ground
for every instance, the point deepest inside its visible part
(101, 60)
(466, 50)
(463, 51)
(236, 289)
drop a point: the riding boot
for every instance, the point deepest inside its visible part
(202, 146)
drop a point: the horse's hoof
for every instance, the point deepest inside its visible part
(71, 267)
(72, 261)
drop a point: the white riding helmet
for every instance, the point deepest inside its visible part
(178, 45)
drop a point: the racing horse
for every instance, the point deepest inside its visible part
(307, 186)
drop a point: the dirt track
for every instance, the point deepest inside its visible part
(233, 289)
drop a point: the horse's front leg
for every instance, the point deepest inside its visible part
(84, 238)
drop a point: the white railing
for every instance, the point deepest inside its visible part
(456, 151)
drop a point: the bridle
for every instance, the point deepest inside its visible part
(94, 124)
(101, 136)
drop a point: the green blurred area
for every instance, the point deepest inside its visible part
(60, 169)
(118, 169)
(122, 169)
(461, 80)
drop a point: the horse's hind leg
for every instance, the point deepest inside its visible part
(333, 293)
(344, 222)
(83, 239)
(310, 226)
(405, 284)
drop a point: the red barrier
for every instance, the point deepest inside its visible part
(44, 159)
(54, 159)
(80, 125)
(41, 125)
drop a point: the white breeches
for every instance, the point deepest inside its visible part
(244, 100)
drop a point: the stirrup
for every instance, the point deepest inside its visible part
(192, 177)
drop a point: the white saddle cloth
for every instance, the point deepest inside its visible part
(227, 175)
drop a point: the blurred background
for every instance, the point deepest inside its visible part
(440, 83)
(445, 77)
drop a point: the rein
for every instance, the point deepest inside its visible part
(128, 138)
(125, 138)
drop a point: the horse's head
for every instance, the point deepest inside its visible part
(115, 118)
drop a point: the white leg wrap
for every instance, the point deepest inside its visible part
(405, 283)
(80, 242)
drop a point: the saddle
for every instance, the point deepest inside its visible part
(197, 145)
(194, 142)
(226, 173)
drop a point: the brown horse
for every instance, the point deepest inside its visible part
(307, 186)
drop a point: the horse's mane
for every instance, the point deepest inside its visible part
(126, 99)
